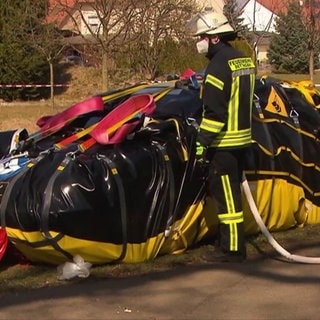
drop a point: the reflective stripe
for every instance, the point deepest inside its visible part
(252, 85)
(243, 72)
(232, 138)
(233, 237)
(228, 193)
(227, 218)
(233, 106)
(232, 218)
(211, 125)
(214, 81)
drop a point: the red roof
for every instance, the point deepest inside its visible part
(56, 9)
(280, 6)
(275, 6)
(56, 14)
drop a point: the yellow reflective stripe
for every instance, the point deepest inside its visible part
(233, 106)
(214, 81)
(252, 85)
(228, 193)
(233, 237)
(241, 63)
(232, 138)
(211, 125)
(232, 219)
(228, 218)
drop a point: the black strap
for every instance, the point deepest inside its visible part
(188, 165)
(271, 147)
(122, 200)
(37, 244)
(158, 177)
(44, 223)
(6, 196)
(167, 184)
(265, 129)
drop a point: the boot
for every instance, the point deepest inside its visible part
(218, 256)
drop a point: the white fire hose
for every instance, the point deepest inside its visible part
(267, 234)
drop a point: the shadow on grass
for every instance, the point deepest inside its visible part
(18, 275)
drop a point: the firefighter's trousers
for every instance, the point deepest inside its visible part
(224, 185)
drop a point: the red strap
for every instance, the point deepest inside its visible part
(134, 107)
(3, 242)
(42, 121)
(123, 131)
(117, 137)
(56, 122)
(86, 144)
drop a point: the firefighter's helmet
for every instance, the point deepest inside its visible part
(209, 22)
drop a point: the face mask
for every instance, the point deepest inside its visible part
(203, 46)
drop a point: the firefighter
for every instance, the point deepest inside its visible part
(225, 129)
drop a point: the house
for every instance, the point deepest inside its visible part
(79, 20)
(80, 25)
(260, 15)
(257, 14)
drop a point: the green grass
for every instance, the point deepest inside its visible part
(295, 77)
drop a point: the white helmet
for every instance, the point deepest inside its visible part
(209, 22)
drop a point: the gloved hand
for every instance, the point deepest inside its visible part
(200, 151)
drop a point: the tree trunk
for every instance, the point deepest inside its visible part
(311, 64)
(51, 85)
(105, 72)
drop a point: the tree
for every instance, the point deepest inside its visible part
(47, 39)
(312, 24)
(233, 15)
(158, 31)
(19, 61)
(288, 51)
(180, 56)
(244, 40)
(136, 28)
(174, 58)
(110, 30)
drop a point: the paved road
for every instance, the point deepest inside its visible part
(260, 288)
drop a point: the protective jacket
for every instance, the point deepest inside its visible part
(227, 98)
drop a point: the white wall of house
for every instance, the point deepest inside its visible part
(257, 17)
(91, 22)
(254, 14)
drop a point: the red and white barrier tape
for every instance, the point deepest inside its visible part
(32, 85)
